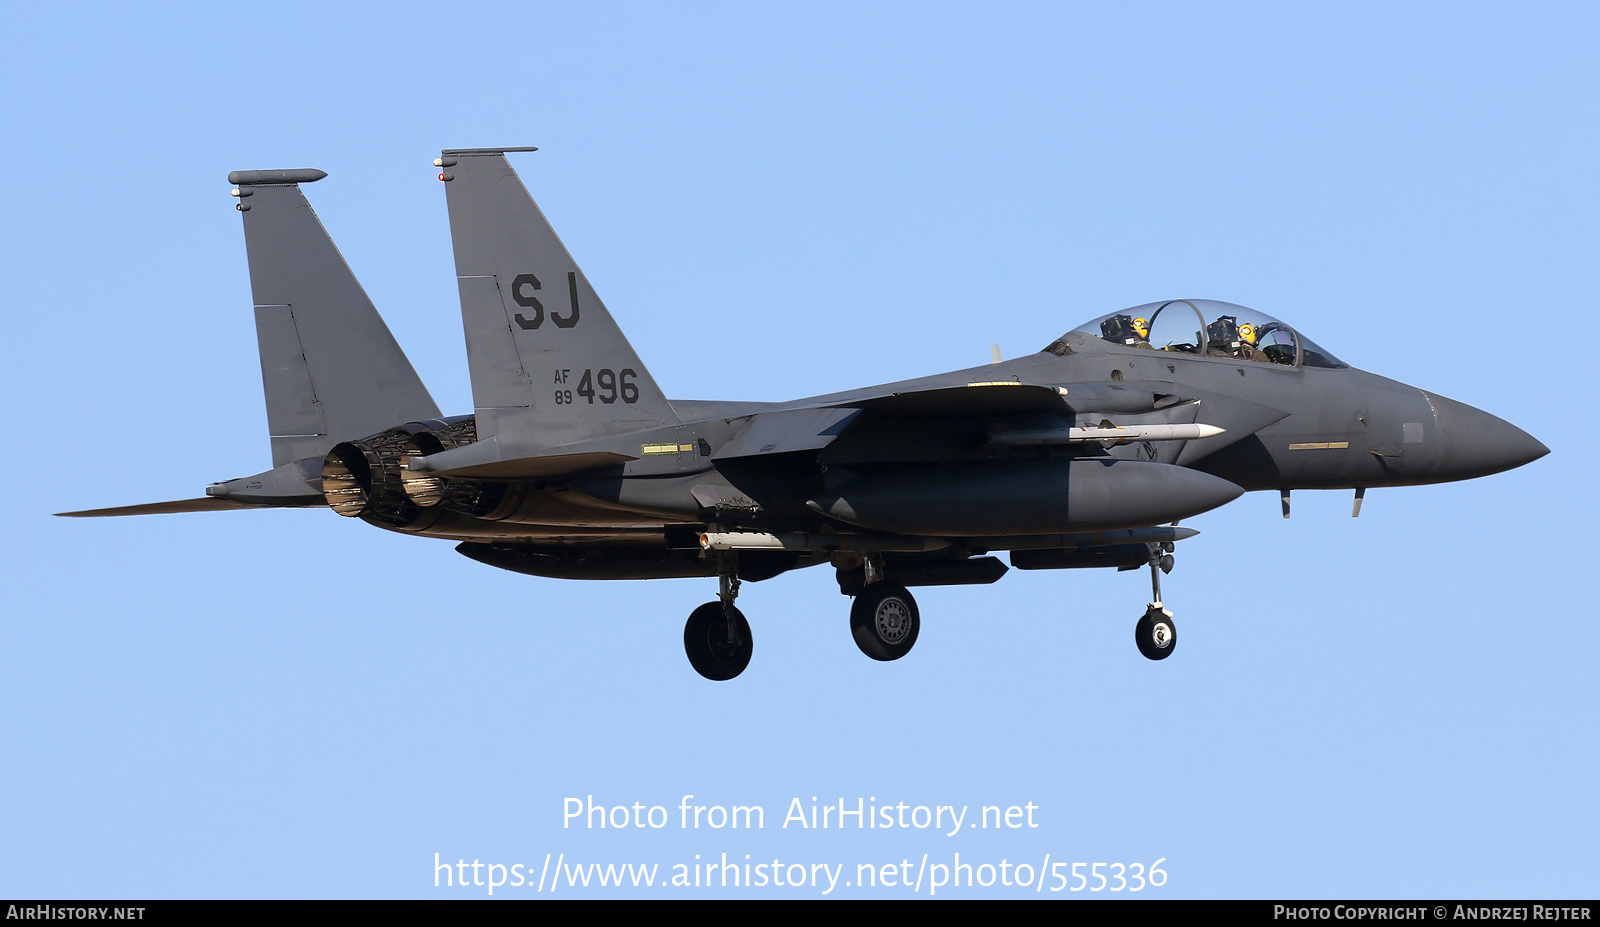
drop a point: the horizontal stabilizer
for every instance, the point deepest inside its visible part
(296, 484)
(207, 504)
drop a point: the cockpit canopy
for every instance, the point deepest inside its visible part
(1210, 328)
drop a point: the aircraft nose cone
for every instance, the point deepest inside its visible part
(1474, 443)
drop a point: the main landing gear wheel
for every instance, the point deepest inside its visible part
(1156, 633)
(884, 621)
(717, 640)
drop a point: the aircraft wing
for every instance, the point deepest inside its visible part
(814, 428)
(1012, 397)
(783, 432)
(1000, 397)
(1190, 423)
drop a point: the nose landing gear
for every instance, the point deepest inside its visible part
(1156, 633)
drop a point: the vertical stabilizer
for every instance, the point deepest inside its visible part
(331, 369)
(549, 364)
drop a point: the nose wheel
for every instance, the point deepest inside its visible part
(1156, 633)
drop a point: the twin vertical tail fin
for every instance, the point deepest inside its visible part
(549, 365)
(331, 369)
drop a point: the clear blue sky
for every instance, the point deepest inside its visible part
(775, 202)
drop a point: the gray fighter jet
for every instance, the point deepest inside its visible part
(575, 465)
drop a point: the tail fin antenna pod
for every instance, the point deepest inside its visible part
(549, 364)
(331, 369)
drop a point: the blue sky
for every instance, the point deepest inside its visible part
(777, 202)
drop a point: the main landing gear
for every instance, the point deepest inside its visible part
(883, 616)
(716, 636)
(1156, 633)
(884, 621)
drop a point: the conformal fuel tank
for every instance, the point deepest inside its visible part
(984, 498)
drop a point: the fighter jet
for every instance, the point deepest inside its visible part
(575, 465)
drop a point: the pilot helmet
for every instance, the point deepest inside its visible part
(1120, 329)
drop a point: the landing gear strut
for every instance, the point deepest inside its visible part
(717, 636)
(1156, 633)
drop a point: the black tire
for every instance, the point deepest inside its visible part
(884, 621)
(1156, 634)
(713, 651)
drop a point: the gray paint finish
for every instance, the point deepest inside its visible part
(575, 465)
(535, 327)
(329, 366)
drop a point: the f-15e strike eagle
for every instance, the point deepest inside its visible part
(576, 465)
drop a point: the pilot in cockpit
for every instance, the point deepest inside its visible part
(1125, 329)
(1249, 348)
(1227, 338)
